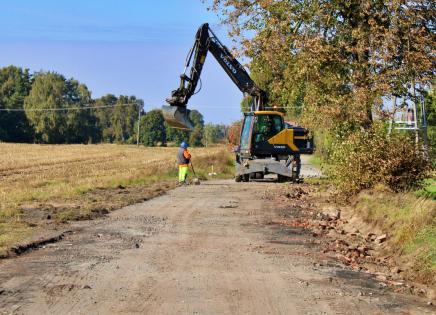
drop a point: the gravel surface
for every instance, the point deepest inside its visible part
(207, 249)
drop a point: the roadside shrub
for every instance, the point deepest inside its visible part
(234, 133)
(369, 156)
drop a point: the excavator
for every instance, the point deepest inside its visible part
(267, 144)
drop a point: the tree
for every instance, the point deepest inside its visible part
(196, 136)
(81, 123)
(15, 85)
(152, 130)
(234, 132)
(104, 116)
(118, 117)
(196, 118)
(334, 61)
(213, 134)
(176, 135)
(123, 118)
(246, 103)
(51, 92)
(430, 106)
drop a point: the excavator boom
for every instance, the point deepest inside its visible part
(176, 114)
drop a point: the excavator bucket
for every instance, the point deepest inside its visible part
(177, 117)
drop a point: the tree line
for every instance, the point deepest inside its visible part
(46, 107)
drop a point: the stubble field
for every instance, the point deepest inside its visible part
(56, 183)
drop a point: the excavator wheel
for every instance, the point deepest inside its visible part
(294, 176)
(259, 175)
(246, 177)
(238, 178)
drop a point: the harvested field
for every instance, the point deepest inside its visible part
(64, 182)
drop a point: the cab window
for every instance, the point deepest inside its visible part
(245, 134)
(266, 126)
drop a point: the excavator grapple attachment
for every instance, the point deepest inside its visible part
(177, 117)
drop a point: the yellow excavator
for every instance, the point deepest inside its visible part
(268, 145)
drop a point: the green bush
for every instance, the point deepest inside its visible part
(367, 157)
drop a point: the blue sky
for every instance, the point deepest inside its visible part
(134, 47)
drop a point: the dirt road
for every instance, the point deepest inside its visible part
(208, 249)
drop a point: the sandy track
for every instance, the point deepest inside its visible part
(205, 249)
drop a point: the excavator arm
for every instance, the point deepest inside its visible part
(177, 115)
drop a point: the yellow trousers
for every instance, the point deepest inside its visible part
(183, 173)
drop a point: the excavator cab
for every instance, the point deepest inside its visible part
(264, 134)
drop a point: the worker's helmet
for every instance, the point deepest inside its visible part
(184, 145)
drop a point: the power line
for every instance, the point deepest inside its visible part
(112, 106)
(63, 108)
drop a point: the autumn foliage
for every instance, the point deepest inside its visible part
(369, 157)
(335, 63)
(234, 133)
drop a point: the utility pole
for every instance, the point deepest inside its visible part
(139, 122)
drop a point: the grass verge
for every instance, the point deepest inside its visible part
(410, 222)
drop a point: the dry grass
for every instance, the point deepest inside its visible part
(41, 172)
(411, 223)
(44, 174)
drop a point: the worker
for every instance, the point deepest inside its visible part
(183, 159)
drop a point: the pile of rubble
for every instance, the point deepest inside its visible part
(338, 238)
